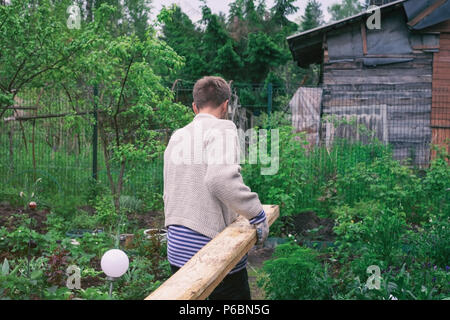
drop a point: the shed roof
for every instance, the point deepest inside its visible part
(306, 47)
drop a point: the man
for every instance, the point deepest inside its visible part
(203, 188)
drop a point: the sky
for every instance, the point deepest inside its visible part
(192, 7)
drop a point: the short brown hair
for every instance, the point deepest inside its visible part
(211, 91)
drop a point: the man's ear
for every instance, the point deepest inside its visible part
(225, 109)
(194, 107)
(226, 105)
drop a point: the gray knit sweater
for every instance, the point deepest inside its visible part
(203, 186)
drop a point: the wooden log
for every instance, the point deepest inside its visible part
(418, 62)
(376, 80)
(417, 104)
(355, 88)
(379, 72)
(207, 268)
(426, 12)
(364, 37)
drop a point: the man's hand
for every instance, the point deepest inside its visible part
(262, 231)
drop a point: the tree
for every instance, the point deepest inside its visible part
(35, 42)
(137, 14)
(244, 18)
(236, 10)
(280, 11)
(215, 35)
(313, 16)
(261, 55)
(130, 16)
(180, 33)
(134, 106)
(345, 9)
(228, 63)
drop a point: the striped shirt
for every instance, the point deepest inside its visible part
(183, 243)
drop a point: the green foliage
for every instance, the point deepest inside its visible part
(16, 241)
(227, 62)
(139, 280)
(386, 214)
(246, 47)
(345, 9)
(89, 247)
(130, 204)
(402, 284)
(105, 212)
(262, 53)
(384, 179)
(280, 11)
(295, 273)
(371, 230)
(434, 188)
(313, 16)
(287, 185)
(432, 245)
(15, 282)
(95, 294)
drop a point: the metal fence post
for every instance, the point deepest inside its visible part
(95, 136)
(269, 101)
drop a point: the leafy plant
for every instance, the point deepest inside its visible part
(295, 273)
(57, 265)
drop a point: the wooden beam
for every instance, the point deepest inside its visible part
(20, 108)
(46, 116)
(207, 268)
(364, 37)
(426, 12)
(326, 57)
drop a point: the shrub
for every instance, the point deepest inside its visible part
(432, 244)
(287, 186)
(383, 179)
(295, 273)
(372, 230)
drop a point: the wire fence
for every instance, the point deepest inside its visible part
(59, 149)
(54, 142)
(252, 96)
(409, 119)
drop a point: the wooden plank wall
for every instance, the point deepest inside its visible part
(405, 90)
(440, 115)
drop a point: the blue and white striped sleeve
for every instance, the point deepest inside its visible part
(259, 218)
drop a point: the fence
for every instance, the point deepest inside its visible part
(257, 97)
(408, 119)
(55, 143)
(59, 149)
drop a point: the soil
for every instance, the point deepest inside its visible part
(39, 215)
(90, 281)
(147, 220)
(256, 258)
(303, 224)
(150, 219)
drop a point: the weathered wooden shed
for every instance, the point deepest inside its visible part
(395, 80)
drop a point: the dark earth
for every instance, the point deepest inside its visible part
(8, 219)
(309, 226)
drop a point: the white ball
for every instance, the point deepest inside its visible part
(114, 263)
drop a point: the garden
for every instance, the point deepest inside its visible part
(86, 114)
(342, 210)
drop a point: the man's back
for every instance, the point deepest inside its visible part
(203, 188)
